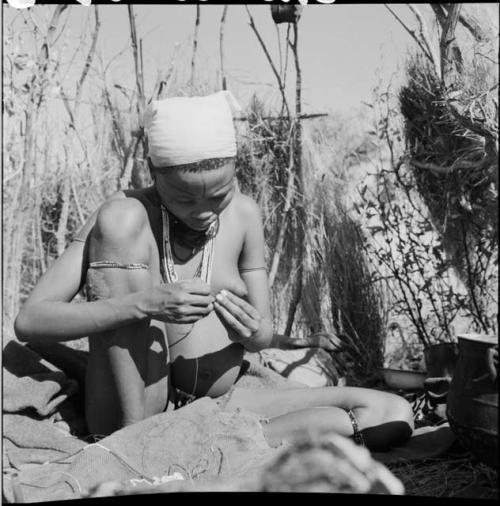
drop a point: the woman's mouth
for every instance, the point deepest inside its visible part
(201, 224)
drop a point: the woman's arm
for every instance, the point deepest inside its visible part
(49, 315)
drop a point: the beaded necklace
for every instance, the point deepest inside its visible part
(203, 271)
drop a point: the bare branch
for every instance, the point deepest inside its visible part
(466, 20)
(297, 292)
(195, 41)
(88, 61)
(447, 41)
(301, 116)
(412, 33)
(290, 187)
(221, 47)
(163, 80)
(472, 26)
(424, 37)
(462, 164)
(139, 78)
(268, 56)
(440, 14)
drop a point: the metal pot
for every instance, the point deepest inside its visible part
(440, 362)
(286, 13)
(472, 404)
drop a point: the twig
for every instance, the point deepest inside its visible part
(459, 164)
(88, 61)
(301, 116)
(64, 197)
(76, 199)
(424, 37)
(447, 40)
(118, 135)
(277, 26)
(471, 278)
(472, 26)
(221, 46)
(139, 78)
(297, 295)
(285, 214)
(195, 41)
(268, 56)
(411, 32)
(163, 81)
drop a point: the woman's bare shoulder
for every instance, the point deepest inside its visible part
(246, 208)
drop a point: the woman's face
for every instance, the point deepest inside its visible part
(196, 198)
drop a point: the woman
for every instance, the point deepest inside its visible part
(177, 288)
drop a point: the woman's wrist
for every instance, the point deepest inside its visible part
(136, 305)
(260, 339)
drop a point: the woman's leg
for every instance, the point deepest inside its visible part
(383, 419)
(119, 363)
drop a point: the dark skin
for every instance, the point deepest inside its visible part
(145, 334)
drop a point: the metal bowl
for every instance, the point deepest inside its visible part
(399, 379)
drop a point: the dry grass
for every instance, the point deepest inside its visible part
(447, 478)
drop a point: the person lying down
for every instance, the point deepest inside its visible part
(178, 290)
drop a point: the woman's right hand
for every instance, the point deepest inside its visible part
(185, 301)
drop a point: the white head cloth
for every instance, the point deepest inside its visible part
(183, 130)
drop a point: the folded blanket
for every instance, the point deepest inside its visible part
(30, 382)
(199, 441)
(36, 409)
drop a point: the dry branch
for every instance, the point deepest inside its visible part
(221, 47)
(195, 41)
(301, 217)
(412, 33)
(290, 187)
(162, 83)
(301, 116)
(89, 59)
(139, 78)
(141, 103)
(424, 37)
(270, 60)
(447, 41)
(473, 26)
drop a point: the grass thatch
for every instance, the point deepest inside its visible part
(452, 142)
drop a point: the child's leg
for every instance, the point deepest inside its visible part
(121, 386)
(383, 419)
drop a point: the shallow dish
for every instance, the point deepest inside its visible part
(400, 379)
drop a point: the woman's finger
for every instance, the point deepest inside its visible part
(199, 300)
(239, 314)
(241, 303)
(232, 321)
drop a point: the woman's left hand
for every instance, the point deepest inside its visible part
(240, 318)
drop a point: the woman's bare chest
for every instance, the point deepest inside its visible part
(223, 272)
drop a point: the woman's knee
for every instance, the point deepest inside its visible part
(119, 229)
(387, 424)
(399, 409)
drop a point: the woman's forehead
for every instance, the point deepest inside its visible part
(191, 182)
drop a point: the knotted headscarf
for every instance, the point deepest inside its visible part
(182, 130)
